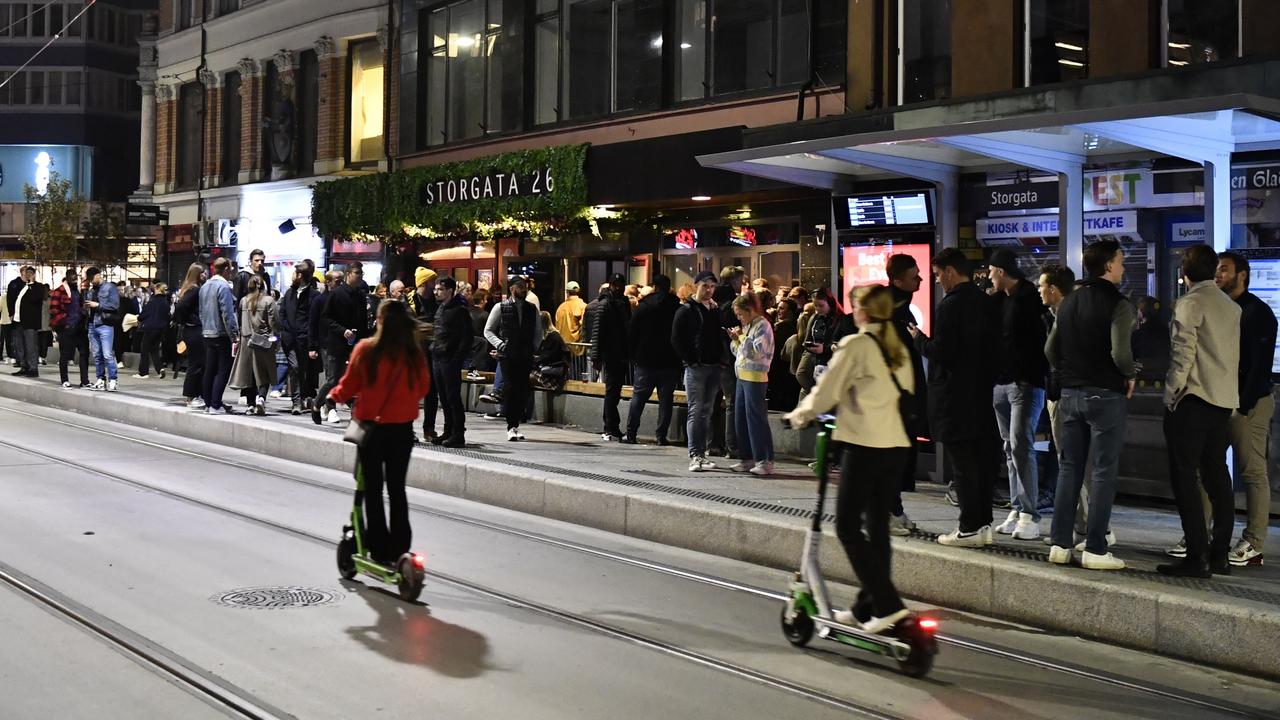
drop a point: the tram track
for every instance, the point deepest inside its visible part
(989, 649)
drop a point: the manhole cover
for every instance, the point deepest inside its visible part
(276, 598)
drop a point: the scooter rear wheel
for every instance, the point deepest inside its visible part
(411, 580)
(924, 647)
(798, 631)
(347, 563)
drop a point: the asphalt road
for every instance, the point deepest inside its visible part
(144, 539)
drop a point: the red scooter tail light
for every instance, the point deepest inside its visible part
(419, 561)
(929, 625)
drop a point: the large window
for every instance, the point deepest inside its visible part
(731, 46)
(190, 128)
(473, 79)
(366, 102)
(1058, 41)
(307, 114)
(1203, 31)
(925, 70)
(231, 110)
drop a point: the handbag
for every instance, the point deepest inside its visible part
(262, 341)
(906, 401)
(182, 347)
(357, 432)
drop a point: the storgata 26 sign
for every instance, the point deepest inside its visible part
(498, 193)
(494, 184)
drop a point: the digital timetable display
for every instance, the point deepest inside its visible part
(883, 210)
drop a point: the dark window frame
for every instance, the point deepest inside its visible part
(232, 108)
(187, 175)
(710, 94)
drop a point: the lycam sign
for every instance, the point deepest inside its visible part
(485, 187)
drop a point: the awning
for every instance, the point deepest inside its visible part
(1202, 130)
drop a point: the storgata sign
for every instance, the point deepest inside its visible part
(489, 186)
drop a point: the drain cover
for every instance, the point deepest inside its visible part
(276, 598)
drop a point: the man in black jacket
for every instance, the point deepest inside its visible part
(343, 321)
(25, 297)
(450, 345)
(697, 336)
(589, 321)
(295, 331)
(904, 281)
(657, 364)
(240, 287)
(960, 382)
(1251, 422)
(724, 435)
(1018, 396)
(514, 329)
(610, 352)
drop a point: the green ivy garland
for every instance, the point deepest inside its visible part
(388, 206)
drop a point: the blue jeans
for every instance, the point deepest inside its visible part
(751, 416)
(701, 384)
(101, 345)
(1091, 424)
(1018, 407)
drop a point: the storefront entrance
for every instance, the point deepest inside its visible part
(778, 264)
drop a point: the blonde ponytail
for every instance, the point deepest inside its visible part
(877, 302)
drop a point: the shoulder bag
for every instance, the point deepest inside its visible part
(357, 432)
(906, 401)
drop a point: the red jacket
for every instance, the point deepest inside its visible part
(382, 402)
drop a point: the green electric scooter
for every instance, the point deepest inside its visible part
(808, 609)
(407, 574)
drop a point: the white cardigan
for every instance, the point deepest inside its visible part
(857, 385)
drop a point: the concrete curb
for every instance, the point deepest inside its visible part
(1224, 631)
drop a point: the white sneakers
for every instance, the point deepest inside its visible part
(514, 435)
(1244, 553)
(1059, 555)
(99, 385)
(141, 377)
(981, 537)
(874, 625)
(742, 466)
(333, 418)
(1010, 523)
(196, 403)
(111, 386)
(699, 463)
(763, 469)
(1179, 550)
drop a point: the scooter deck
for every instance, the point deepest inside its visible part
(859, 638)
(385, 573)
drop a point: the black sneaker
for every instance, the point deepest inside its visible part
(628, 440)
(456, 441)
(663, 442)
(493, 416)
(435, 439)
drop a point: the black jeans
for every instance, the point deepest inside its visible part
(335, 365)
(300, 375)
(1197, 435)
(151, 352)
(26, 348)
(868, 484)
(446, 376)
(72, 341)
(384, 458)
(515, 389)
(431, 405)
(646, 379)
(193, 383)
(973, 471)
(614, 374)
(724, 432)
(217, 369)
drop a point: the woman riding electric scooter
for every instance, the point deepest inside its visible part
(388, 376)
(869, 423)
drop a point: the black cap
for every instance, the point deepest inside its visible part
(704, 275)
(1008, 262)
(617, 279)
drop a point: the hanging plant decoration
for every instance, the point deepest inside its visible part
(533, 192)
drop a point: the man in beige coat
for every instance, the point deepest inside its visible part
(1201, 391)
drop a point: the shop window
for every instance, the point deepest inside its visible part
(1203, 31)
(231, 110)
(732, 46)
(190, 112)
(1058, 41)
(366, 98)
(925, 68)
(473, 72)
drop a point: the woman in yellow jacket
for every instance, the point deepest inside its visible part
(862, 383)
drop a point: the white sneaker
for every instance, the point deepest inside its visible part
(900, 525)
(1059, 555)
(1179, 550)
(142, 377)
(845, 617)
(1027, 528)
(196, 403)
(111, 386)
(742, 466)
(1244, 553)
(764, 469)
(44, 361)
(99, 385)
(695, 464)
(1010, 523)
(274, 393)
(66, 384)
(514, 435)
(1100, 562)
(976, 539)
(334, 418)
(878, 625)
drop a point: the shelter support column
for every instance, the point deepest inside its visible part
(1071, 218)
(1217, 202)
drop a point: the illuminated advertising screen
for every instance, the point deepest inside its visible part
(864, 265)
(1264, 281)
(872, 212)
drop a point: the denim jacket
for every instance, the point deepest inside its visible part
(218, 310)
(108, 298)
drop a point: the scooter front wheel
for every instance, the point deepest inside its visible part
(346, 551)
(799, 630)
